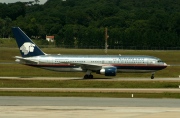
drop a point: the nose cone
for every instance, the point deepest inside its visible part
(165, 64)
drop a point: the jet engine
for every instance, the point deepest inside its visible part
(111, 71)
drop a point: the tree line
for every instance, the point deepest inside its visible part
(77, 23)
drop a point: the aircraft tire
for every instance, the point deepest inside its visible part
(86, 76)
(152, 77)
(90, 76)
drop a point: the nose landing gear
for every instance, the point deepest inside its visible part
(152, 76)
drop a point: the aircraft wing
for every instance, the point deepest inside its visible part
(95, 66)
(91, 66)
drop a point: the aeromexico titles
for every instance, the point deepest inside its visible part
(108, 65)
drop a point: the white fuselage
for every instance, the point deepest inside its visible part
(96, 62)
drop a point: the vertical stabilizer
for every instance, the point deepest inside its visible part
(26, 46)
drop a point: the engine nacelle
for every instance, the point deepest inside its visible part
(111, 71)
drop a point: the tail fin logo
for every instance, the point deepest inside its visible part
(27, 47)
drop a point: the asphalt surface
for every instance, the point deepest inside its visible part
(94, 90)
(89, 107)
(87, 101)
(81, 107)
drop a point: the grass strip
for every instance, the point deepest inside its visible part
(86, 84)
(98, 94)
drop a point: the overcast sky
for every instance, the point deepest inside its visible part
(13, 1)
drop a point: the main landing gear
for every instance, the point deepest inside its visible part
(152, 76)
(88, 75)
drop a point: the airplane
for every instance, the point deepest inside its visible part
(108, 65)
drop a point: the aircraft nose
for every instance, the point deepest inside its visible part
(165, 64)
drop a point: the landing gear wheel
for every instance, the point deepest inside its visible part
(152, 77)
(88, 76)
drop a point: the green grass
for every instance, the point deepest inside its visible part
(7, 42)
(74, 94)
(86, 84)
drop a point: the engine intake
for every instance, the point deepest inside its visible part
(111, 71)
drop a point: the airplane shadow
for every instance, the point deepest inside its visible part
(95, 79)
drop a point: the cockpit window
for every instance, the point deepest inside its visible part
(160, 61)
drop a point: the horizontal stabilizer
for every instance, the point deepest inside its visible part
(25, 61)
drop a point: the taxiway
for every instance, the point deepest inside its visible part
(89, 107)
(95, 90)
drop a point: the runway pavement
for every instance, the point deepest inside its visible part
(85, 107)
(87, 101)
(81, 107)
(96, 90)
